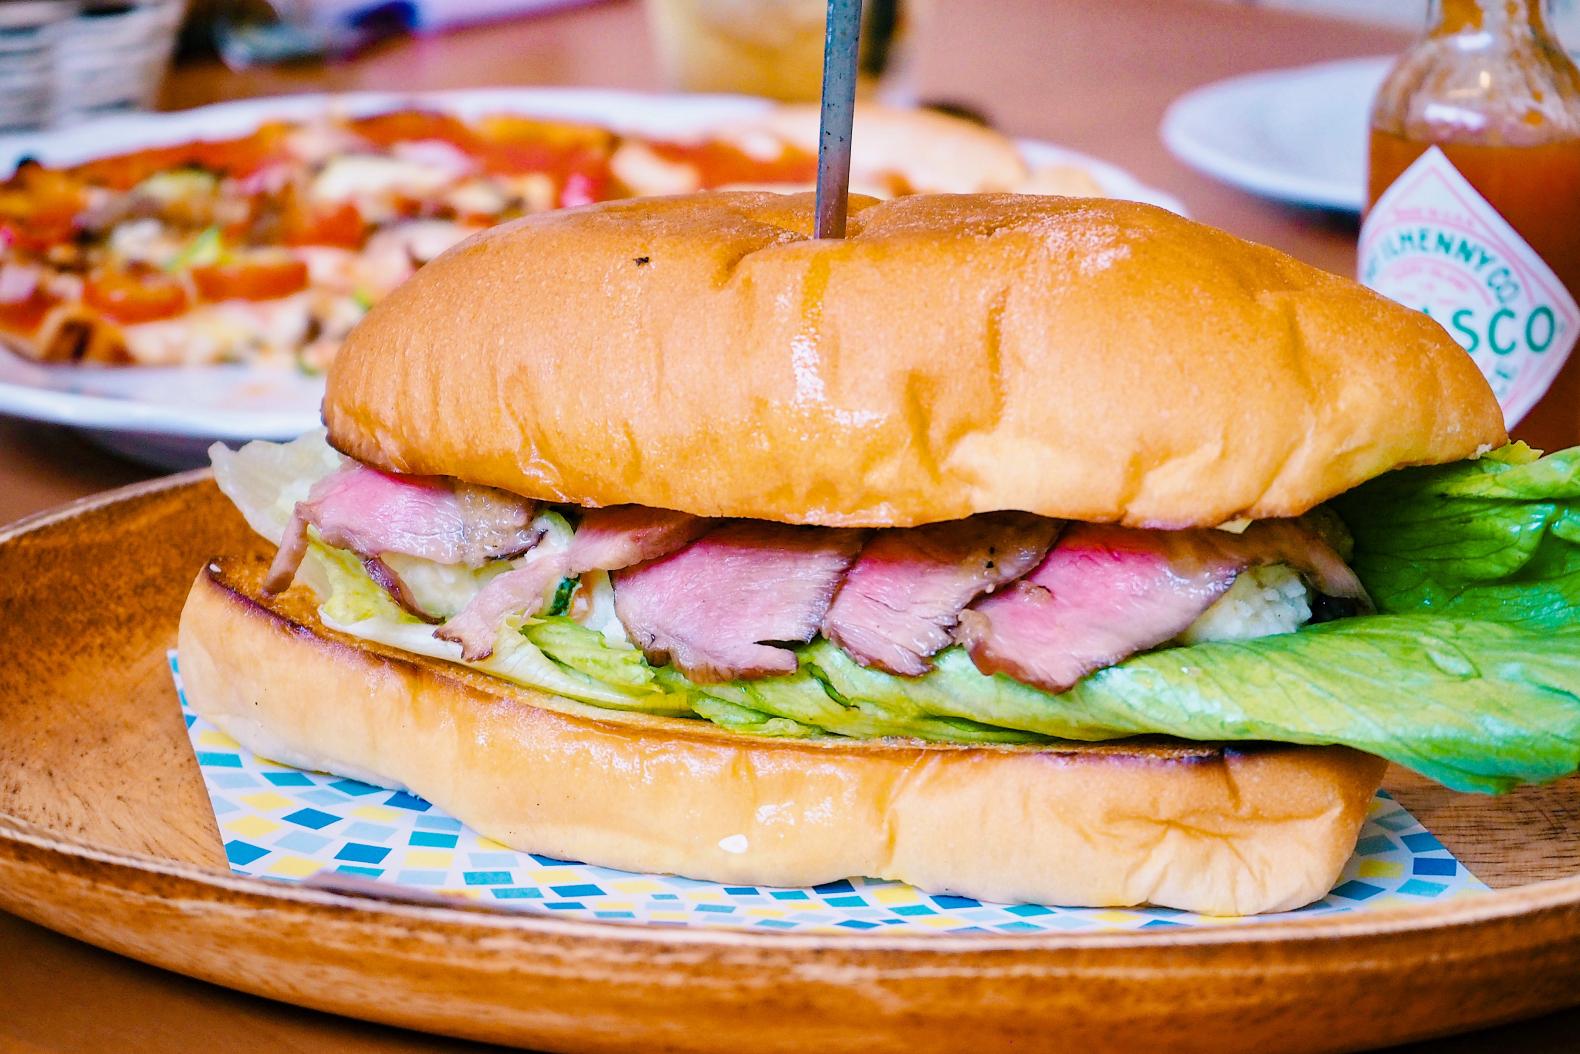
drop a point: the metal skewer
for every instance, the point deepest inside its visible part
(839, 111)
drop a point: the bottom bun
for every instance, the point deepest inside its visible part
(1227, 830)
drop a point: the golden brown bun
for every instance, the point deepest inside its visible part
(1193, 826)
(1097, 360)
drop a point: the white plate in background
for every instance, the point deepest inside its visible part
(1297, 135)
(168, 416)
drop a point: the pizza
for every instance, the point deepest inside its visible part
(268, 247)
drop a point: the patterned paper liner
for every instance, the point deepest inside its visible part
(283, 823)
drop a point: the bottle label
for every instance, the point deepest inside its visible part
(1432, 242)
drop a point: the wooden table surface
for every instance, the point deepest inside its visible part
(1095, 75)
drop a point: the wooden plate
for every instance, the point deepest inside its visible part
(89, 595)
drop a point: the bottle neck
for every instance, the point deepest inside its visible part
(1493, 17)
(1488, 73)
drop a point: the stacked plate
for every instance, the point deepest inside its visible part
(61, 60)
(29, 32)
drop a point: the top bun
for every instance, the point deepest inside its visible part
(1078, 358)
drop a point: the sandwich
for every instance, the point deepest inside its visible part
(1031, 549)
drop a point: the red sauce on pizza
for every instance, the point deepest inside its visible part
(27, 314)
(241, 156)
(134, 294)
(406, 126)
(340, 225)
(721, 164)
(257, 276)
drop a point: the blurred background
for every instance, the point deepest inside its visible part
(1252, 115)
(63, 60)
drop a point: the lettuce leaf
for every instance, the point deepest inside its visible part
(1496, 538)
(744, 719)
(586, 650)
(265, 480)
(1475, 705)
(518, 658)
(727, 706)
(349, 595)
(804, 697)
(357, 606)
(562, 596)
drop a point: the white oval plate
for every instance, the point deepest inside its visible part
(1296, 135)
(168, 416)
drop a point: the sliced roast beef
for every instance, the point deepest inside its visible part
(902, 597)
(372, 513)
(605, 540)
(288, 557)
(622, 535)
(1305, 548)
(715, 607)
(1105, 593)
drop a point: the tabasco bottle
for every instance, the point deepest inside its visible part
(1474, 202)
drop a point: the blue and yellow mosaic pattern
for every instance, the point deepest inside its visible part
(286, 824)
